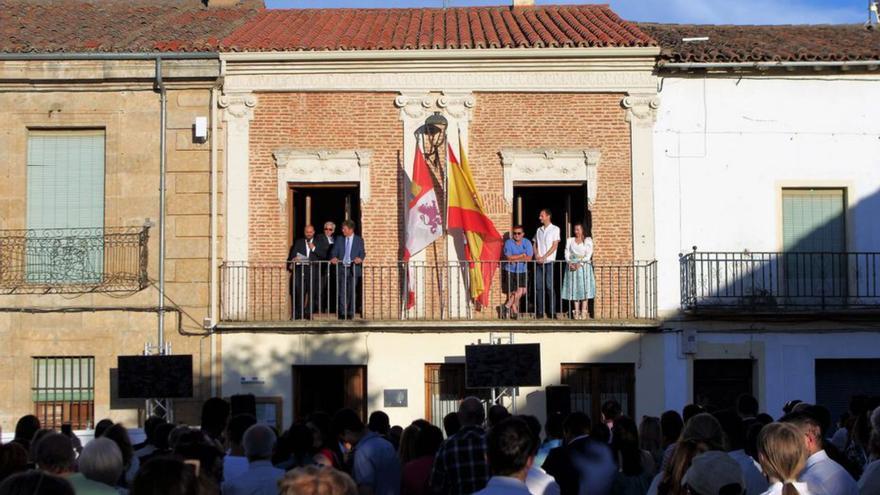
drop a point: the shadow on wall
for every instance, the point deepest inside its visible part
(288, 370)
(830, 262)
(589, 377)
(829, 269)
(291, 369)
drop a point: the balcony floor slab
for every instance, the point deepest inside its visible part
(448, 326)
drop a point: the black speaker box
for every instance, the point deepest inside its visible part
(558, 399)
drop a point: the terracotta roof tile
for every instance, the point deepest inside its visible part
(765, 43)
(185, 25)
(454, 28)
(115, 25)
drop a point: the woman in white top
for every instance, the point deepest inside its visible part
(579, 283)
(782, 455)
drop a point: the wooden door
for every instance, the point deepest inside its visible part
(355, 379)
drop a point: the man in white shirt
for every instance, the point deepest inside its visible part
(261, 477)
(510, 450)
(735, 429)
(537, 480)
(822, 475)
(546, 241)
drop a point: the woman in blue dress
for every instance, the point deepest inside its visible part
(579, 283)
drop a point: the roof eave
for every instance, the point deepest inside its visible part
(443, 54)
(870, 65)
(108, 55)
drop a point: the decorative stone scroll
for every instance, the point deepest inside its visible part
(298, 165)
(457, 104)
(549, 164)
(237, 106)
(413, 105)
(641, 109)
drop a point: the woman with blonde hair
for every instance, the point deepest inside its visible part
(782, 455)
(313, 480)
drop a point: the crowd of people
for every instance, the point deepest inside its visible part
(736, 451)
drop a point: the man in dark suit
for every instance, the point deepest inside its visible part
(327, 301)
(304, 267)
(582, 465)
(347, 258)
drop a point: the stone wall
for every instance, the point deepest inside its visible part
(106, 325)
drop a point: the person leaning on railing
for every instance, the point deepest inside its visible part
(517, 252)
(579, 283)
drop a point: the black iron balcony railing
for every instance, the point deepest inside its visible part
(73, 260)
(785, 281)
(275, 292)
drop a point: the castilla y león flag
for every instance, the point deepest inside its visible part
(466, 212)
(424, 224)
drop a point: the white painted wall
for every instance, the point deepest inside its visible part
(397, 360)
(785, 361)
(724, 148)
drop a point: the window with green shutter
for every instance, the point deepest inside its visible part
(63, 390)
(813, 220)
(65, 206)
(814, 240)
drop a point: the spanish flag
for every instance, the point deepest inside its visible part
(465, 211)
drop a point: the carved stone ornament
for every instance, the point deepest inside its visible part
(413, 106)
(237, 106)
(550, 164)
(641, 110)
(298, 165)
(457, 105)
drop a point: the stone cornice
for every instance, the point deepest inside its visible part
(525, 80)
(568, 70)
(323, 165)
(78, 72)
(550, 164)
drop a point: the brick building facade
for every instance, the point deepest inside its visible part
(543, 125)
(349, 120)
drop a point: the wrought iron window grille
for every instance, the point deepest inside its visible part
(63, 391)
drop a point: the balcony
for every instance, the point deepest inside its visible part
(255, 295)
(787, 282)
(73, 260)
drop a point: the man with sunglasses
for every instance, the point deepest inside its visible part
(517, 252)
(327, 296)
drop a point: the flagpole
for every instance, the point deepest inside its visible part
(407, 181)
(445, 169)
